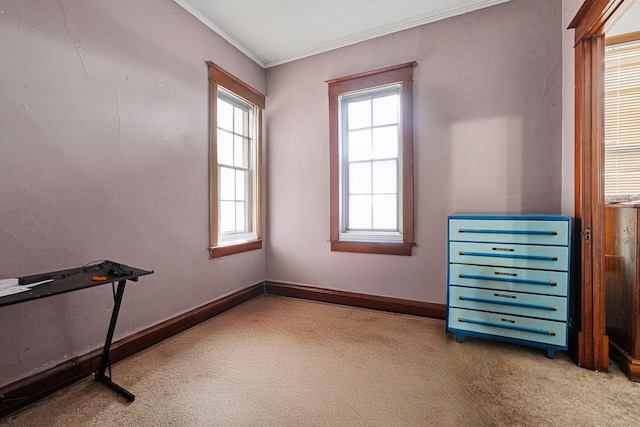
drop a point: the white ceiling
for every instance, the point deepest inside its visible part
(273, 32)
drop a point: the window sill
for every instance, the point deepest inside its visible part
(234, 248)
(373, 248)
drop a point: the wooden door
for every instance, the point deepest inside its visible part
(590, 24)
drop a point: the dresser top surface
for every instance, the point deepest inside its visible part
(521, 217)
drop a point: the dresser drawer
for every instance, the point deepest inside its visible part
(531, 305)
(505, 325)
(510, 231)
(509, 279)
(506, 255)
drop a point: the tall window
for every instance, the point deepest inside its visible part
(235, 149)
(622, 119)
(371, 153)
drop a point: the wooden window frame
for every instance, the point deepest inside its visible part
(218, 77)
(398, 74)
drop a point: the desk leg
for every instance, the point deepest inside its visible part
(104, 360)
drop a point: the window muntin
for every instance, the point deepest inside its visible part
(371, 161)
(235, 171)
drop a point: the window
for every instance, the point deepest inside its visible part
(235, 169)
(371, 157)
(622, 119)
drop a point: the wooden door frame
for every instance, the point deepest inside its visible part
(590, 24)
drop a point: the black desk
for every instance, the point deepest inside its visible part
(81, 278)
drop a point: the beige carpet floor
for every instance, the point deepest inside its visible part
(285, 362)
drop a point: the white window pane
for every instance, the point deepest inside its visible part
(239, 121)
(227, 217)
(246, 130)
(360, 145)
(227, 184)
(359, 114)
(239, 151)
(385, 177)
(385, 142)
(360, 212)
(225, 114)
(385, 110)
(385, 210)
(240, 175)
(240, 222)
(360, 178)
(225, 147)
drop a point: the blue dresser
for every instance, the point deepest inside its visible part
(509, 279)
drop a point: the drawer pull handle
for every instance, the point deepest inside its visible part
(506, 302)
(508, 279)
(515, 256)
(525, 232)
(499, 273)
(510, 326)
(505, 296)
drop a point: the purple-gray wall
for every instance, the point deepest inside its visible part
(487, 138)
(104, 155)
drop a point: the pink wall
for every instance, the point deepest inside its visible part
(104, 155)
(569, 10)
(487, 138)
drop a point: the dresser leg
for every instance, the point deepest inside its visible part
(550, 353)
(458, 338)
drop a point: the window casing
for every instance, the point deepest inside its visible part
(235, 164)
(371, 157)
(622, 118)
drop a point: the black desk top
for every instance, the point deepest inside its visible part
(75, 279)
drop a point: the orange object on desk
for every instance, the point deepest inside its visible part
(98, 278)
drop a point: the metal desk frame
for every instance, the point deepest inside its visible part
(82, 278)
